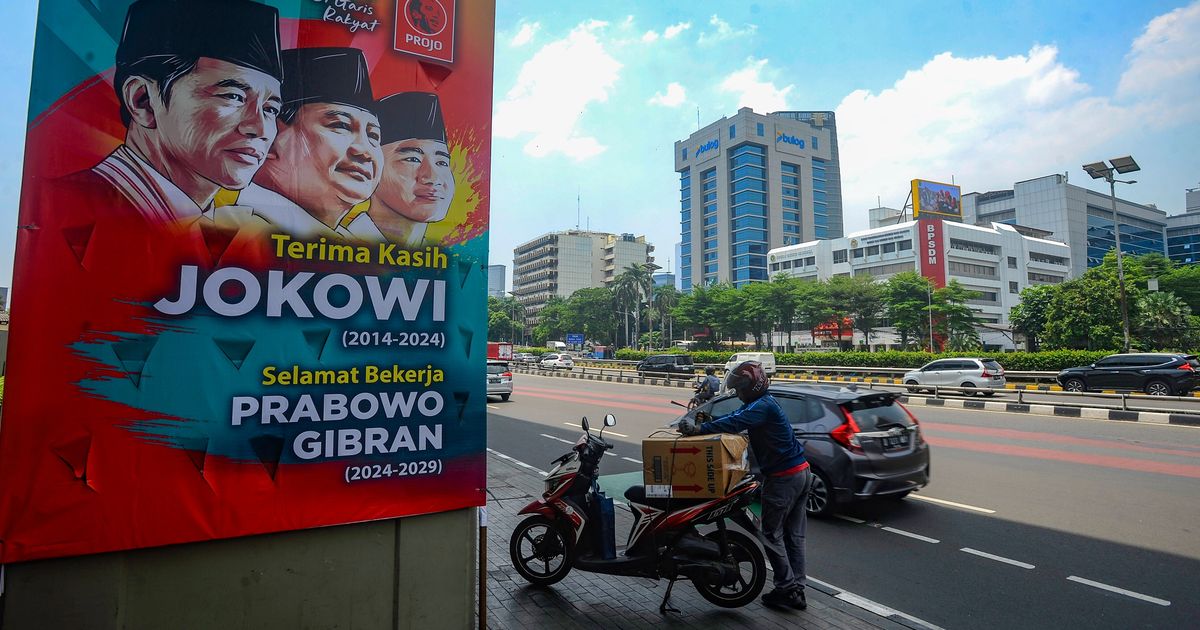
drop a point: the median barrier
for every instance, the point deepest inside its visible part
(1124, 406)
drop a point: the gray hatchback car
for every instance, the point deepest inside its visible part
(861, 444)
(986, 375)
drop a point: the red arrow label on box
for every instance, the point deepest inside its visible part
(691, 450)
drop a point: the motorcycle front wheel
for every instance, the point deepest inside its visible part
(540, 551)
(751, 572)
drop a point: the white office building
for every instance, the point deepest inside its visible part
(996, 261)
(561, 263)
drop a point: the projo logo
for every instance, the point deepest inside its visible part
(786, 139)
(711, 145)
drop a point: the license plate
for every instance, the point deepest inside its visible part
(493, 380)
(893, 442)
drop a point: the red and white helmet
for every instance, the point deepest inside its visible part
(749, 381)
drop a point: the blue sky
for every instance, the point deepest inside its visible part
(590, 97)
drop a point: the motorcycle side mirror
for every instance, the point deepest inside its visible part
(584, 424)
(610, 420)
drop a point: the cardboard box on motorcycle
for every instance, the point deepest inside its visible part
(696, 467)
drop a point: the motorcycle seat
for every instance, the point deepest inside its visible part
(637, 494)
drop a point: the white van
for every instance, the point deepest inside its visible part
(557, 345)
(767, 359)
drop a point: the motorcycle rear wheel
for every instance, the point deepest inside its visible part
(752, 570)
(540, 551)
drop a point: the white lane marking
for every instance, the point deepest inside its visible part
(576, 425)
(630, 459)
(911, 535)
(492, 407)
(873, 606)
(864, 603)
(557, 439)
(1114, 589)
(962, 506)
(850, 518)
(981, 554)
(518, 462)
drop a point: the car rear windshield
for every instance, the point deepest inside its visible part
(497, 368)
(1193, 361)
(992, 366)
(876, 414)
(683, 360)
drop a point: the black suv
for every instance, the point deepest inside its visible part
(669, 364)
(1155, 374)
(860, 443)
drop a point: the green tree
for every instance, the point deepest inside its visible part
(1085, 314)
(633, 286)
(782, 301)
(1164, 322)
(907, 296)
(953, 318)
(665, 299)
(550, 321)
(505, 319)
(866, 305)
(590, 311)
(757, 311)
(693, 311)
(842, 290)
(727, 311)
(1184, 282)
(1029, 317)
(812, 305)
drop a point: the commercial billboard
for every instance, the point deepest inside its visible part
(251, 271)
(932, 199)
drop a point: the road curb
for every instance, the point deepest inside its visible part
(1062, 411)
(1088, 413)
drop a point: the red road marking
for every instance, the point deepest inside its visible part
(1103, 461)
(607, 397)
(1051, 437)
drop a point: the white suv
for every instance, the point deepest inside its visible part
(984, 374)
(555, 361)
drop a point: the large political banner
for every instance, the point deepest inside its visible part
(249, 292)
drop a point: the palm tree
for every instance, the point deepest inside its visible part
(665, 299)
(636, 281)
(625, 294)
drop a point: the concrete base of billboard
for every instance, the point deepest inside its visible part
(416, 572)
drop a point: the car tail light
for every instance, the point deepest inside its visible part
(847, 434)
(986, 374)
(916, 423)
(1188, 367)
(507, 375)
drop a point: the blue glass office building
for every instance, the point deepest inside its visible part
(752, 182)
(1082, 218)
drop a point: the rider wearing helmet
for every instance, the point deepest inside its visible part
(787, 477)
(709, 386)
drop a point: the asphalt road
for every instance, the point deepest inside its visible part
(1029, 521)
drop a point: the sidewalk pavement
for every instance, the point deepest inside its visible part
(587, 600)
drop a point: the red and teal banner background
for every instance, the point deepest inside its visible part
(127, 424)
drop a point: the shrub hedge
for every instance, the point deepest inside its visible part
(1051, 361)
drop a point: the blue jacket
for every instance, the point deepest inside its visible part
(771, 437)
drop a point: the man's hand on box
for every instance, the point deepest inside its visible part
(687, 426)
(702, 417)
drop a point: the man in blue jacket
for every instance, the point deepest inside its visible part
(787, 477)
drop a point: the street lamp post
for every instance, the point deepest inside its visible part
(929, 295)
(1102, 170)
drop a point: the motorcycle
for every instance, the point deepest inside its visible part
(572, 527)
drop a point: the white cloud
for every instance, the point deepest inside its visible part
(675, 29)
(671, 32)
(1164, 66)
(753, 91)
(553, 91)
(984, 121)
(525, 35)
(673, 98)
(724, 31)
